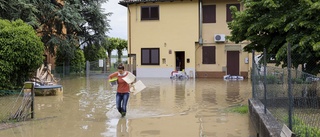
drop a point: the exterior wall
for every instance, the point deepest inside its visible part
(218, 70)
(176, 30)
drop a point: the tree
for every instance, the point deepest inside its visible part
(275, 23)
(21, 53)
(115, 43)
(123, 44)
(110, 44)
(19, 9)
(64, 55)
(94, 52)
(61, 23)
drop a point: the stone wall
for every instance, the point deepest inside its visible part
(265, 124)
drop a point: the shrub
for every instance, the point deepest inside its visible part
(78, 62)
(21, 53)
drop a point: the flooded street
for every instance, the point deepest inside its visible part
(166, 108)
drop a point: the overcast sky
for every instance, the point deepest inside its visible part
(118, 20)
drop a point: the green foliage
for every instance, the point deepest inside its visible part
(71, 58)
(275, 23)
(94, 53)
(9, 92)
(64, 55)
(115, 43)
(110, 44)
(301, 129)
(61, 24)
(299, 81)
(21, 53)
(78, 63)
(101, 53)
(242, 109)
(19, 9)
(123, 44)
(272, 79)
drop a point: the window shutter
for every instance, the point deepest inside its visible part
(208, 55)
(229, 15)
(209, 14)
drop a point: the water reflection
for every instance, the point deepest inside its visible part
(122, 128)
(233, 92)
(165, 108)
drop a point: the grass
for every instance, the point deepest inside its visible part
(242, 109)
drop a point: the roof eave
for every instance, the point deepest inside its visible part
(128, 2)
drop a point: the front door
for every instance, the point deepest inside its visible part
(233, 63)
(180, 57)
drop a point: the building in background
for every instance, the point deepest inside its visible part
(190, 33)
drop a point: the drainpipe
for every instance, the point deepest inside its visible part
(200, 23)
(129, 38)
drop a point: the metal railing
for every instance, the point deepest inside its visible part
(291, 95)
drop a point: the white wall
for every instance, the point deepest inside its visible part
(160, 72)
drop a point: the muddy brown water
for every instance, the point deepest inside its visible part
(166, 108)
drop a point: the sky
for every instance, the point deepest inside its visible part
(118, 20)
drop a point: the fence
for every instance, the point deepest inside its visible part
(61, 71)
(83, 69)
(7, 102)
(17, 105)
(89, 68)
(12, 100)
(291, 95)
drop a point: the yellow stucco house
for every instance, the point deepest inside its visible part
(191, 33)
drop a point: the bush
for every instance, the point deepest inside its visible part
(271, 79)
(21, 53)
(78, 63)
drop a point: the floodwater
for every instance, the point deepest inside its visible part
(166, 108)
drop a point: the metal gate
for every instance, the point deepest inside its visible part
(96, 68)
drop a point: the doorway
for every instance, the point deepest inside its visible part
(179, 63)
(132, 63)
(233, 63)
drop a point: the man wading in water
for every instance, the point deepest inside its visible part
(123, 90)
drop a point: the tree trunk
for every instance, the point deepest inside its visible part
(109, 58)
(119, 56)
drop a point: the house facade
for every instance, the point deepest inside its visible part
(184, 35)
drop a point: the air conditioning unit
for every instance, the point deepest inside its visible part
(219, 38)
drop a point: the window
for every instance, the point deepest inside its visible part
(150, 56)
(208, 55)
(150, 13)
(209, 14)
(229, 15)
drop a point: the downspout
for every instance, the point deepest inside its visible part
(200, 23)
(129, 38)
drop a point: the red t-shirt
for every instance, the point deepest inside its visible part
(123, 86)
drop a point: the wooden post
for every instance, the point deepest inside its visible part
(32, 101)
(30, 86)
